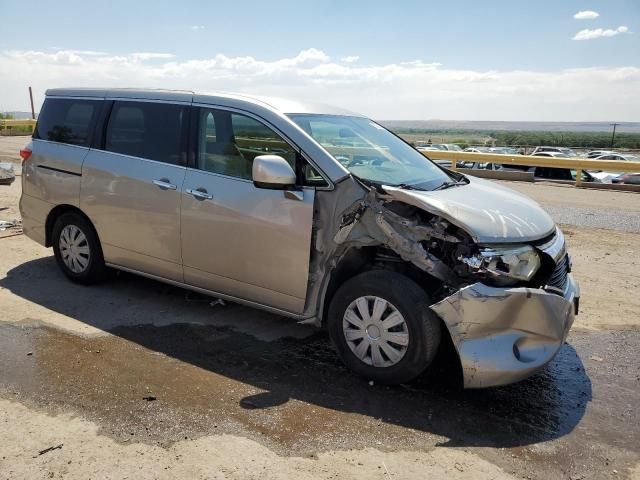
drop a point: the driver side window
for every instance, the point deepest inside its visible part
(228, 142)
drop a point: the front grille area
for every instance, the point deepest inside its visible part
(558, 278)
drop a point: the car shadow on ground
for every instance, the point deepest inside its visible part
(546, 406)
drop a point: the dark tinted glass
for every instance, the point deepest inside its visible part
(148, 130)
(67, 121)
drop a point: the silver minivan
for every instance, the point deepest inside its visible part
(308, 211)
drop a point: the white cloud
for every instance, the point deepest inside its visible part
(89, 53)
(197, 27)
(590, 34)
(402, 90)
(350, 59)
(142, 56)
(61, 57)
(586, 15)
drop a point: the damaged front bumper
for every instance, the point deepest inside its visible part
(504, 335)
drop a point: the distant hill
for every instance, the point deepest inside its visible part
(441, 125)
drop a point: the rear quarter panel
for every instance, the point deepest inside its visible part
(53, 172)
(50, 177)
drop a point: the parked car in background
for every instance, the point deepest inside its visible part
(452, 147)
(479, 165)
(627, 179)
(476, 150)
(566, 151)
(428, 148)
(547, 173)
(244, 199)
(504, 151)
(598, 153)
(551, 154)
(539, 173)
(566, 174)
(610, 177)
(442, 147)
(619, 156)
(556, 173)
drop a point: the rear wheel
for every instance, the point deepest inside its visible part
(77, 249)
(382, 326)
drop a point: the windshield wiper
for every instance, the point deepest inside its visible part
(445, 185)
(407, 186)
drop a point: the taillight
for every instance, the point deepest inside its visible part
(25, 153)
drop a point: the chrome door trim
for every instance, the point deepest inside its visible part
(204, 291)
(164, 184)
(59, 170)
(221, 175)
(199, 193)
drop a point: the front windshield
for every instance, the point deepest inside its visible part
(370, 152)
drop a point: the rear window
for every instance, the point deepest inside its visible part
(148, 130)
(67, 120)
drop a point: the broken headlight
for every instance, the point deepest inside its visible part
(504, 266)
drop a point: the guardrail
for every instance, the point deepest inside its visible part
(578, 164)
(10, 123)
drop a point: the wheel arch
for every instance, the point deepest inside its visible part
(354, 261)
(56, 213)
(357, 260)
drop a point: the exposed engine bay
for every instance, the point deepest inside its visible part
(507, 306)
(435, 245)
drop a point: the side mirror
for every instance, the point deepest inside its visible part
(273, 172)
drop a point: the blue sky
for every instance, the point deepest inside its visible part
(470, 41)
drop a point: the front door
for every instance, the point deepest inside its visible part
(131, 188)
(237, 239)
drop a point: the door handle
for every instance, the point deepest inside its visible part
(164, 184)
(199, 193)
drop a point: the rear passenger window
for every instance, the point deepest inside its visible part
(148, 130)
(67, 120)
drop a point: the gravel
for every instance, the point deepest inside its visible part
(625, 221)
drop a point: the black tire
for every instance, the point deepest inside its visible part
(422, 325)
(95, 270)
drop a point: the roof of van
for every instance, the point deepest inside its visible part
(287, 106)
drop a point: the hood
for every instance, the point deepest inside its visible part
(489, 212)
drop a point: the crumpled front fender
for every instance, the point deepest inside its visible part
(503, 335)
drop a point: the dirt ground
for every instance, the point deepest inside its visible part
(136, 379)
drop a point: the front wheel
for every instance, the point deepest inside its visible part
(382, 327)
(77, 249)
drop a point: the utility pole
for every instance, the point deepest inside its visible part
(613, 135)
(33, 111)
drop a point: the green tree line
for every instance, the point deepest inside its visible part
(532, 138)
